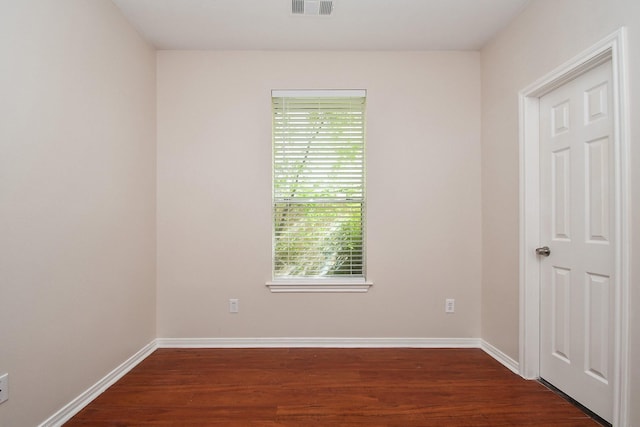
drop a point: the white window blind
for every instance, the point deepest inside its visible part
(318, 184)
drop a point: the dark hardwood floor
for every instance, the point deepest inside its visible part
(326, 387)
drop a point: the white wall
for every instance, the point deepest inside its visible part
(77, 200)
(546, 34)
(214, 194)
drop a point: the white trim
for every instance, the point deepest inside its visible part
(501, 357)
(321, 93)
(297, 342)
(610, 48)
(304, 286)
(301, 342)
(529, 336)
(623, 232)
(77, 404)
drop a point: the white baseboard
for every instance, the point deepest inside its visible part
(501, 357)
(77, 404)
(318, 342)
(492, 351)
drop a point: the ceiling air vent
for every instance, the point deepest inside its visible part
(312, 7)
(326, 7)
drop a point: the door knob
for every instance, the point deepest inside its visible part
(544, 251)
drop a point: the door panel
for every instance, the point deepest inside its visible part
(597, 192)
(561, 320)
(597, 336)
(561, 194)
(576, 211)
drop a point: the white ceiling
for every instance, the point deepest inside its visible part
(354, 24)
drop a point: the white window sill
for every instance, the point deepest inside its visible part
(319, 286)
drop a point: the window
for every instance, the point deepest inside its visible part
(318, 186)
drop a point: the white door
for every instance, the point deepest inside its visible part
(577, 224)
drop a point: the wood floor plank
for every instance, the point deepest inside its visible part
(326, 387)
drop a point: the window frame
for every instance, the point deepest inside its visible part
(348, 284)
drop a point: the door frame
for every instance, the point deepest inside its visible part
(611, 48)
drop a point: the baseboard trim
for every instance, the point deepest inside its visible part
(318, 342)
(77, 404)
(501, 357)
(492, 351)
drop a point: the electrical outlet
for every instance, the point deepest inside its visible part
(233, 305)
(450, 305)
(4, 388)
